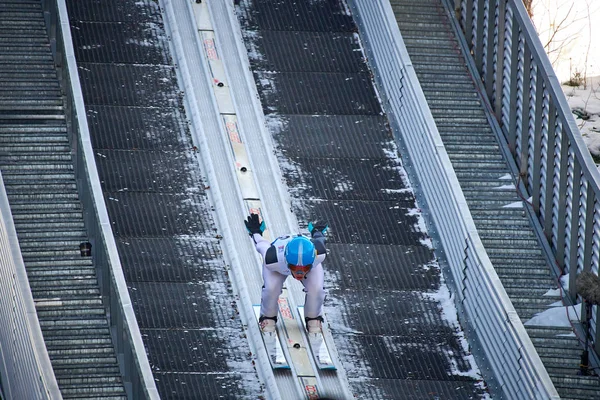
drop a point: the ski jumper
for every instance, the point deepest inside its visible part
(275, 271)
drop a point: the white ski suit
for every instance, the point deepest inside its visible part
(275, 272)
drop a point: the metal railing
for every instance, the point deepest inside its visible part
(553, 161)
(25, 368)
(502, 348)
(133, 361)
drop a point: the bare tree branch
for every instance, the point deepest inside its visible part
(557, 28)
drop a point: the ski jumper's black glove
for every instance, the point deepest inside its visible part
(317, 227)
(254, 225)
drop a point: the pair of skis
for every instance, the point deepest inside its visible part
(317, 345)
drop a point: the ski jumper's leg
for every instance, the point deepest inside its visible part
(272, 286)
(315, 294)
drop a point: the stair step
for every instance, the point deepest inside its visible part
(467, 133)
(75, 342)
(66, 292)
(21, 198)
(91, 351)
(494, 231)
(515, 252)
(40, 207)
(499, 215)
(463, 156)
(459, 118)
(549, 331)
(542, 283)
(420, 26)
(45, 225)
(557, 348)
(559, 361)
(558, 343)
(73, 323)
(29, 158)
(464, 143)
(457, 88)
(488, 202)
(466, 137)
(50, 303)
(30, 177)
(485, 179)
(503, 192)
(70, 215)
(49, 254)
(93, 380)
(33, 130)
(577, 381)
(99, 394)
(58, 263)
(75, 362)
(517, 291)
(570, 393)
(449, 75)
(516, 243)
(63, 282)
(36, 149)
(67, 245)
(481, 164)
(57, 333)
(528, 273)
(25, 234)
(542, 301)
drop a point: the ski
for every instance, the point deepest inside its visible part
(318, 346)
(273, 345)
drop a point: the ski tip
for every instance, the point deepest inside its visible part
(328, 367)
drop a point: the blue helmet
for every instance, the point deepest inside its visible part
(300, 251)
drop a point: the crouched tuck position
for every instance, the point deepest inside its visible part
(295, 255)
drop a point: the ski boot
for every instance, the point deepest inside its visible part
(267, 324)
(314, 325)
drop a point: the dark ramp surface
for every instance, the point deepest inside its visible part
(157, 203)
(340, 162)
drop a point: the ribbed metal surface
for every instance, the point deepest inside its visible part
(340, 164)
(26, 370)
(158, 205)
(36, 164)
(509, 240)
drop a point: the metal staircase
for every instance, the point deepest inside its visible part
(36, 164)
(488, 186)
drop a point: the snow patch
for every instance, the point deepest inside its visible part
(392, 191)
(345, 8)
(516, 204)
(552, 292)
(143, 43)
(251, 42)
(503, 187)
(449, 314)
(556, 316)
(564, 282)
(572, 334)
(585, 103)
